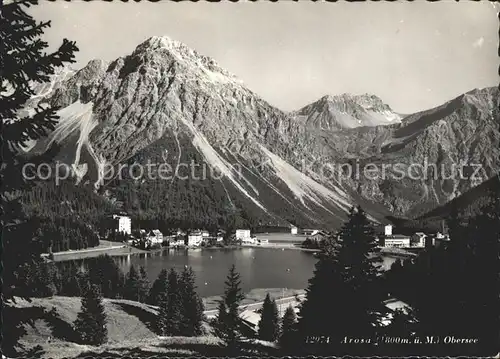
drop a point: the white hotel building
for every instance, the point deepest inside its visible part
(124, 224)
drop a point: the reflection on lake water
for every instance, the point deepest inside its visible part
(258, 267)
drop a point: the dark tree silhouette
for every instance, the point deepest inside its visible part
(288, 328)
(344, 296)
(269, 326)
(170, 318)
(90, 324)
(158, 289)
(326, 299)
(132, 290)
(453, 289)
(104, 272)
(70, 285)
(191, 305)
(227, 325)
(22, 62)
(42, 279)
(144, 285)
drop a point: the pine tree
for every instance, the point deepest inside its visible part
(158, 289)
(344, 296)
(143, 285)
(227, 325)
(132, 285)
(359, 259)
(191, 305)
(22, 62)
(170, 318)
(480, 297)
(104, 272)
(90, 323)
(42, 279)
(160, 297)
(395, 276)
(456, 292)
(324, 307)
(269, 322)
(70, 285)
(288, 328)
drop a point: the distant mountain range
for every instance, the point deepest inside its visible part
(165, 103)
(348, 111)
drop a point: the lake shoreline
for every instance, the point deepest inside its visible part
(125, 250)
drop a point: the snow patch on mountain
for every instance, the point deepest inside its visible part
(385, 117)
(217, 163)
(304, 187)
(347, 111)
(76, 122)
(75, 117)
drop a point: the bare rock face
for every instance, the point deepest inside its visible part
(348, 111)
(431, 157)
(165, 102)
(169, 103)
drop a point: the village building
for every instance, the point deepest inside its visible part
(177, 242)
(318, 236)
(124, 224)
(437, 239)
(155, 237)
(250, 319)
(249, 240)
(418, 240)
(387, 239)
(180, 233)
(243, 234)
(294, 230)
(316, 240)
(220, 236)
(177, 239)
(169, 239)
(310, 232)
(195, 239)
(397, 241)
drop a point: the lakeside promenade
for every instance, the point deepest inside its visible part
(276, 241)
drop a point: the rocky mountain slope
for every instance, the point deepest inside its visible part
(430, 158)
(469, 203)
(166, 104)
(348, 111)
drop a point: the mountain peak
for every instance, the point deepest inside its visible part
(347, 111)
(162, 42)
(188, 56)
(366, 100)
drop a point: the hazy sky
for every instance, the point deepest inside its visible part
(414, 55)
